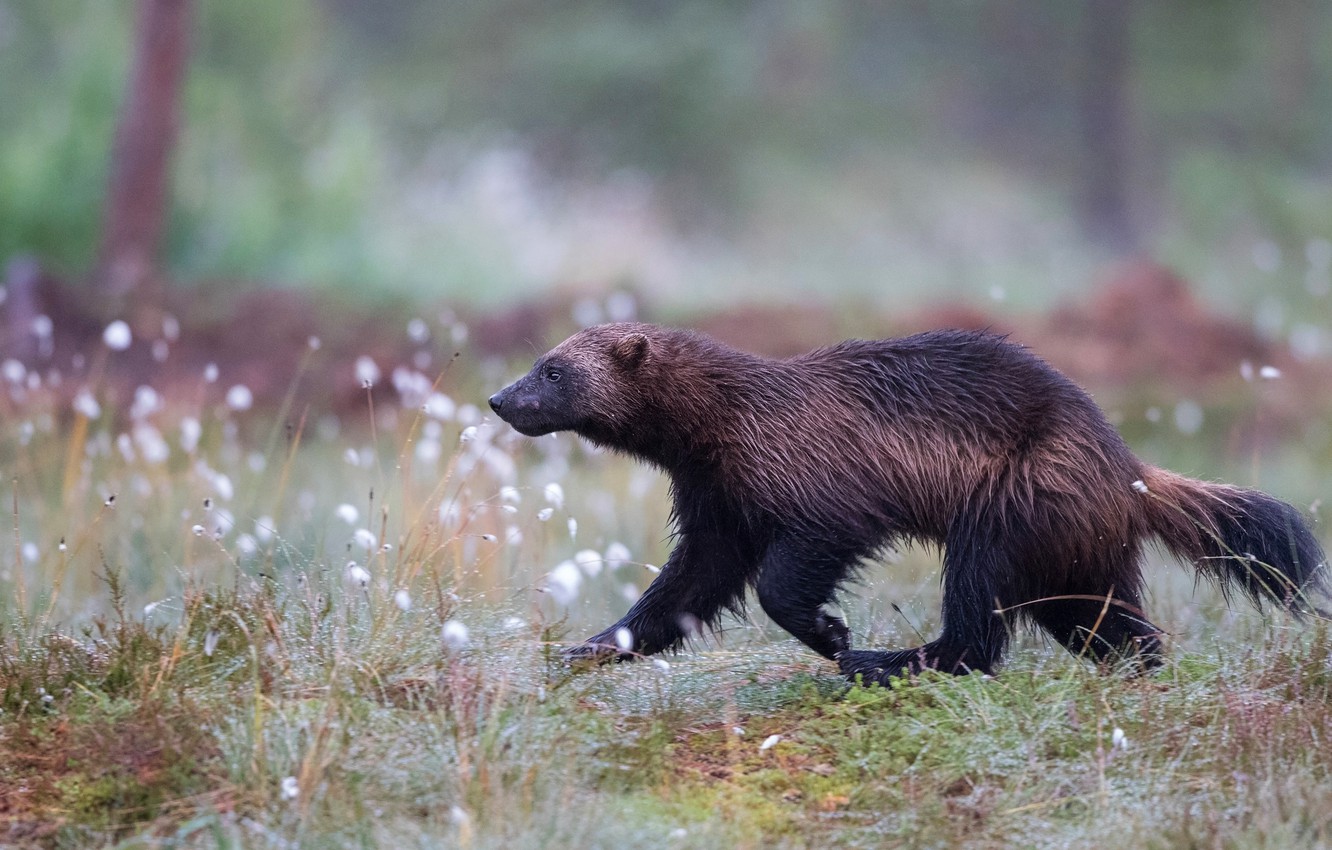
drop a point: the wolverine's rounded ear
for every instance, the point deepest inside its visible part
(630, 350)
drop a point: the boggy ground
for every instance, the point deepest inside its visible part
(393, 740)
(331, 617)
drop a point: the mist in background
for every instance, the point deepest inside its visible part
(698, 153)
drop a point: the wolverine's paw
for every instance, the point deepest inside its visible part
(592, 653)
(881, 667)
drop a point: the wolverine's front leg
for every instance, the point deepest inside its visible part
(795, 584)
(705, 575)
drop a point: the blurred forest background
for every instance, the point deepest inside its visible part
(697, 152)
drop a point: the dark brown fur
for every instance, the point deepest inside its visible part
(786, 474)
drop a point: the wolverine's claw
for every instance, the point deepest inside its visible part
(590, 653)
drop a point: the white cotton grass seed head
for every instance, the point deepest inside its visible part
(146, 401)
(117, 336)
(86, 406)
(617, 555)
(1140, 486)
(428, 451)
(624, 639)
(291, 789)
(239, 397)
(126, 447)
(347, 513)
(264, 528)
(190, 432)
(1269, 373)
(545, 514)
(357, 575)
(769, 742)
(589, 561)
(222, 521)
(564, 582)
(439, 406)
(510, 495)
(13, 371)
(402, 599)
(554, 494)
(468, 434)
(1118, 739)
(210, 373)
(149, 441)
(367, 371)
(469, 414)
(1188, 416)
(365, 538)
(418, 331)
(450, 513)
(223, 486)
(454, 634)
(573, 528)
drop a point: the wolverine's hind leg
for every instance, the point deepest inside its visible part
(795, 584)
(1105, 630)
(1097, 612)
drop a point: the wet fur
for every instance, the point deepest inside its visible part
(787, 474)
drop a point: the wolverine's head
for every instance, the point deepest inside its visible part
(589, 384)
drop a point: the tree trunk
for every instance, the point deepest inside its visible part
(1103, 107)
(134, 213)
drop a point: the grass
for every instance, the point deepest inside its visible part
(196, 663)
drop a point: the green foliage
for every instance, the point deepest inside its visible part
(61, 68)
(486, 150)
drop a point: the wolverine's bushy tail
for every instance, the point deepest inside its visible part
(1242, 538)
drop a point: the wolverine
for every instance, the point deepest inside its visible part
(787, 475)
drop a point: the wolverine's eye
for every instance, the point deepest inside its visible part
(554, 375)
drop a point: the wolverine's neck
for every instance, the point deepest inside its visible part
(688, 400)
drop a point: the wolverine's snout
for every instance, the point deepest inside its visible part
(519, 407)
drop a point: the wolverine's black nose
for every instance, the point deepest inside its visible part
(496, 402)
